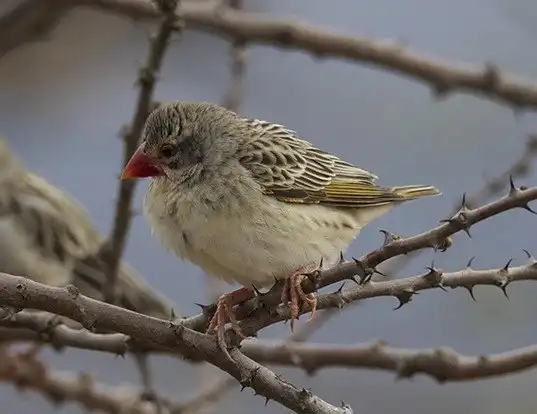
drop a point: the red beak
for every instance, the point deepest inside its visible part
(141, 165)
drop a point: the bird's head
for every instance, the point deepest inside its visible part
(183, 140)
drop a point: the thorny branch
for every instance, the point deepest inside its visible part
(251, 27)
(19, 293)
(489, 82)
(30, 21)
(492, 187)
(27, 372)
(233, 95)
(444, 366)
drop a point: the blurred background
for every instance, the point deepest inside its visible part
(63, 100)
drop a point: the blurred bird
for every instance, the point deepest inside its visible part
(47, 236)
(250, 202)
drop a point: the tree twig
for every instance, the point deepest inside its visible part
(26, 372)
(147, 79)
(444, 78)
(30, 21)
(19, 293)
(403, 289)
(442, 364)
(321, 42)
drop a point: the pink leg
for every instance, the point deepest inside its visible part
(293, 289)
(225, 313)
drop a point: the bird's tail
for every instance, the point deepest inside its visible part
(412, 192)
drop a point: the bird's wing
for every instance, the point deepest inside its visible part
(294, 171)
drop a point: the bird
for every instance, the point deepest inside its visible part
(47, 236)
(250, 201)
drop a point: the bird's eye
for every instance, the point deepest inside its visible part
(167, 150)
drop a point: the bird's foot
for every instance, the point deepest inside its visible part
(292, 292)
(225, 313)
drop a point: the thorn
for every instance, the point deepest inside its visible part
(341, 258)
(527, 254)
(460, 221)
(491, 76)
(444, 245)
(375, 270)
(506, 267)
(367, 272)
(259, 297)
(464, 206)
(528, 208)
(305, 393)
(206, 309)
(470, 290)
(405, 297)
(503, 286)
(339, 300)
(257, 291)
(361, 268)
(173, 316)
(441, 90)
(469, 265)
(389, 237)
(512, 188)
(267, 399)
(435, 275)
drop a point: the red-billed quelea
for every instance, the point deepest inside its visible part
(250, 202)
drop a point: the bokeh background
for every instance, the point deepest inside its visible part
(62, 102)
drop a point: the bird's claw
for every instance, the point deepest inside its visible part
(224, 313)
(293, 293)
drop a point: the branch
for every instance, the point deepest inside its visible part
(20, 293)
(147, 79)
(442, 364)
(443, 78)
(49, 328)
(234, 94)
(520, 168)
(26, 372)
(30, 21)
(492, 187)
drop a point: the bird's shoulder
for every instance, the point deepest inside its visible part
(292, 169)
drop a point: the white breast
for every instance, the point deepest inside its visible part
(234, 232)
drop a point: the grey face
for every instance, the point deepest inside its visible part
(189, 138)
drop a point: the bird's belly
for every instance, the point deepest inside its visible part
(257, 244)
